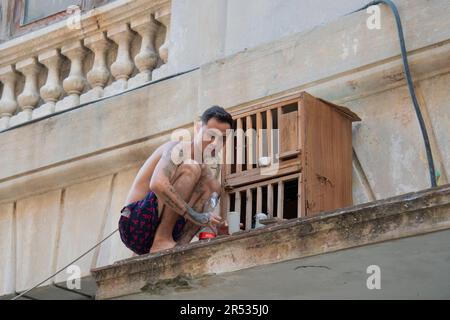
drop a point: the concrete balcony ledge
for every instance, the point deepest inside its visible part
(403, 216)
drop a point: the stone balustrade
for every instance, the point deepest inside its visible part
(106, 51)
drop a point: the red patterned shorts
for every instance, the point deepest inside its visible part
(139, 221)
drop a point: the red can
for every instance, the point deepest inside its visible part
(206, 233)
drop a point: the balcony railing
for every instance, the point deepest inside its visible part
(100, 53)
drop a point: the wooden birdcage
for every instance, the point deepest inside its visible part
(290, 157)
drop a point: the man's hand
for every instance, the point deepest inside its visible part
(203, 219)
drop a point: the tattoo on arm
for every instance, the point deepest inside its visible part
(169, 169)
(172, 198)
(167, 199)
(196, 217)
(202, 218)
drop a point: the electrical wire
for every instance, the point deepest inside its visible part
(68, 265)
(411, 89)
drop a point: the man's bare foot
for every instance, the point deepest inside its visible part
(188, 233)
(159, 245)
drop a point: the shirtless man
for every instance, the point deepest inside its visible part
(166, 201)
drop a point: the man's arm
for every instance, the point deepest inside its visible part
(160, 183)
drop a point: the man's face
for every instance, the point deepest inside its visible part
(213, 136)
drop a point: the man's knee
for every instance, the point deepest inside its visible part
(214, 186)
(193, 171)
(210, 185)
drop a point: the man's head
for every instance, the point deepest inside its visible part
(215, 122)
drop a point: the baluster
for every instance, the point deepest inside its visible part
(122, 68)
(8, 103)
(147, 58)
(99, 75)
(52, 90)
(163, 16)
(74, 84)
(29, 97)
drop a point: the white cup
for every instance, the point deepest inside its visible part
(234, 220)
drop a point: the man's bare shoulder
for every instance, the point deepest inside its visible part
(165, 150)
(168, 146)
(156, 155)
(162, 149)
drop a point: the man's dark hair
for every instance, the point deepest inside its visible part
(217, 113)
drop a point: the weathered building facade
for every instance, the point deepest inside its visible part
(87, 95)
